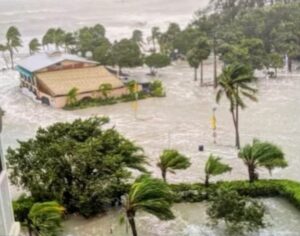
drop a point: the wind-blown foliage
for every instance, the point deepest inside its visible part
(105, 89)
(34, 46)
(241, 214)
(214, 167)
(261, 154)
(72, 96)
(149, 195)
(234, 83)
(172, 160)
(46, 218)
(13, 42)
(81, 165)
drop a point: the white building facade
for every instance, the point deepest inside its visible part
(8, 226)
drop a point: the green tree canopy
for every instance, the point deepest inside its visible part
(156, 61)
(242, 215)
(127, 53)
(80, 164)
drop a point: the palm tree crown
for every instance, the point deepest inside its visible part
(215, 167)
(46, 218)
(149, 195)
(262, 154)
(172, 160)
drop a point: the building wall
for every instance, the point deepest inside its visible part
(8, 227)
(60, 102)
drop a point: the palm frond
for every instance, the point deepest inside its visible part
(151, 195)
(214, 166)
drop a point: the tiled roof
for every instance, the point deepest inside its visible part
(58, 83)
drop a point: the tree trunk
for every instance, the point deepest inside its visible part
(206, 180)
(237, 138)
(11, 53)
(290, 64)
(164, 175)
(195, 74)
(201, 69)
(215, 63)
(252, 174)
(237, 133)
(29, 231)
(276, 72)
(132, 224)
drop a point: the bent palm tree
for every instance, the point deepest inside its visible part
(261, 154)
(149, 195)
(13, 38)
(34, 46)
(214, 167)
(172, 160)
(72, 96)
(46, 218)
(234, 83)
(105, 89)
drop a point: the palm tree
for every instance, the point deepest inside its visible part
(172, 160)
(34, 46)
(262, 154)
(46, 218)
(13, 41)
(214, 167)
(72, 96)
(149, 195)
(234, 83)
(105, 89)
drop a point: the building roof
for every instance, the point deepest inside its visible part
(59, 83)
(42, 60)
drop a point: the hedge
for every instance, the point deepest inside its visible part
(287, 189)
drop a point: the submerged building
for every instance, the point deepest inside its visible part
(51, 76)
(8, 226)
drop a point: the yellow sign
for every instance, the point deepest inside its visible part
(213, 122)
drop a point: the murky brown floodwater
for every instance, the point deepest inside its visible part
(180, 121)
(191, 220)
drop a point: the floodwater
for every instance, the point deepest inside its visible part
(191, 220)
(180, 121)
(120, 17)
